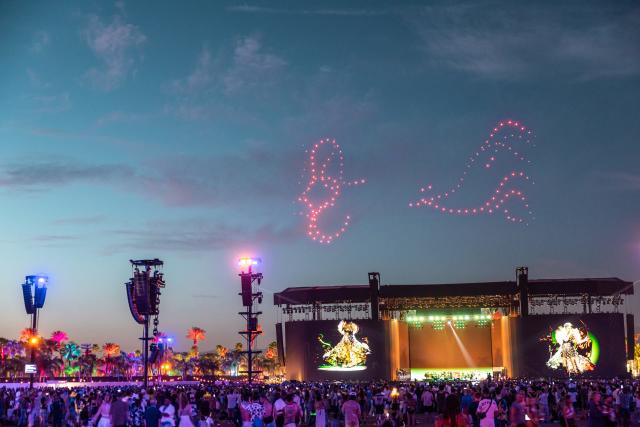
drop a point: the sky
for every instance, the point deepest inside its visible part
(182, 130)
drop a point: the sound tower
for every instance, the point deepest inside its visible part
(280, 343)
(630, 336)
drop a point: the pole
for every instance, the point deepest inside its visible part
(249, 336)
(34, 329)
(145, 343)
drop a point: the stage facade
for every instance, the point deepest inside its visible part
(521, 328)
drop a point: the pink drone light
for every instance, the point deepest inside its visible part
(504, 191)
(319, 174)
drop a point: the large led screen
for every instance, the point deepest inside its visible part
(345, 350)
(571, 345)
(450, 348)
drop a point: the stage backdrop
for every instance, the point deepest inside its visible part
(568, 344)
(352, 351)
(465, 348)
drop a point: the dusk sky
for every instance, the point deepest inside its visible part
(178, 131)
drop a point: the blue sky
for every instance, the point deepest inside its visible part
(178, 131)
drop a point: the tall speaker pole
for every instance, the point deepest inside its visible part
(143, 294)
(247, 281)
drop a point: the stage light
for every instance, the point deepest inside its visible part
(34, 340)
(430, 318)
(422, 318)
(246, 262)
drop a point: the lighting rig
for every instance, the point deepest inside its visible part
(458, 321)
(247, 280)
(34, 293)
(143, 294)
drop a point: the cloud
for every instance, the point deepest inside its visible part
(35, 80)
(251, 65)
(521, 42)
(48, 174)
(624, 181)
(184, 236)
(41, 40)
(116, 46)
(80, 220)
(51, 103)
(200, 78)
(210, 89)
(122, 117)
(325, 12)
(221, 180)
(178, 181)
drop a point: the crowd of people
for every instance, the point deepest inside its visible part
(512, 403)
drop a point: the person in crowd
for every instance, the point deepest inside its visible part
(168, 412)
(568, 413)
(517, 414)
(320, 409)
(292, 412)
(103, 415)
(487, 408)
(597, 416)
(411, 403)
(351, 411)
(152, 414)
(119, 411)
(452, 415)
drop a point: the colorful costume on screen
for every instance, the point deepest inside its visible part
(572, 350)
(349, 352)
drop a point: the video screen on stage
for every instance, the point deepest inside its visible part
(337, 349)
(450, 349)
(572, 345)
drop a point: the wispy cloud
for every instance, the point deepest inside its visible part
(122, 117)
(518, 42)
(81, 220)
(35, 80)
(116, 46)
(178, 181)
(40, 41)
(624, 181)
(251, 65)
(292, 11)
(248, 69)
(51, 103)
(183, 236)
(48, 174)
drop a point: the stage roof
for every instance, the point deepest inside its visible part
(360, 293)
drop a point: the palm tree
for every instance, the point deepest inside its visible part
(59, 337)
(71, 352)
(196, 334)
(26, 334)
(87, 363)
(183, 363)
(109, 350)
(207, 364)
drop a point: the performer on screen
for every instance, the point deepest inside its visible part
(572, 350)
(349, 352)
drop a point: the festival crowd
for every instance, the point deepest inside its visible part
(513, 403)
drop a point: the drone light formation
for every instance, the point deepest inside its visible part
(320, 175)
(505, 191)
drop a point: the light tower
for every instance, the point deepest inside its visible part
(247, 280)
(143, 294)
(33, 301)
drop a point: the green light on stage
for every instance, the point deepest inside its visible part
(595, 349)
